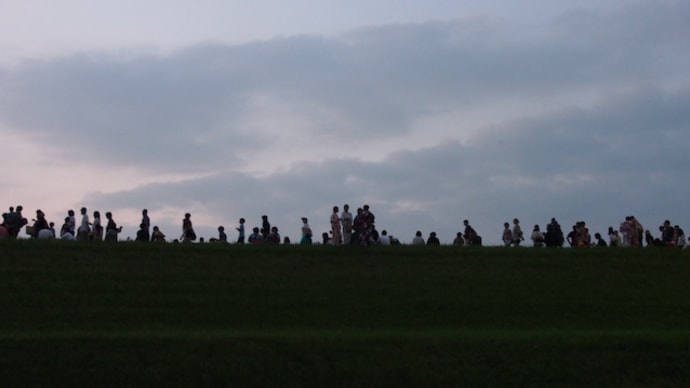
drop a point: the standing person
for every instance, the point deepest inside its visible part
(188, 233)
(40, 223)
(517, 233)
(84, 227)
(613, 237)
(554, 234)
(72, 223)
(367, 219)
(346, 221)
(679, 236)
(507, 235)
(240, 232)
(265, 227)
(537, 237)
(336, 226)
(111, 228)
(146, 221)
(97, 234)
(306, 232)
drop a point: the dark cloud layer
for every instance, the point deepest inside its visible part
(603, 134)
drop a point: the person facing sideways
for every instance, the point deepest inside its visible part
(255, 238)
(384, 239)
(222, 237)
(40, 224)
(273, 237)
(471, 235)
(346, 222)
(459, 240)
(147, 223)
(72, 222)
(65, 232)
(157, 235)
(142, 236)
(265, 227)
(336, 226)
(537, 237)
(84, 227)
(432, 240)
(188, 233)
(326, 239)
(240, 232)
(679, 236)
(517, 233)
(648, 238)
(97, 233)
(418, 239)
(306, 232)
(111, 229)
(600, 241)
(507, 235)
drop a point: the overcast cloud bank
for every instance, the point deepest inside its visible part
(586, 116)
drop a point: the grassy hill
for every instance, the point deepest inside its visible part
(219, 315)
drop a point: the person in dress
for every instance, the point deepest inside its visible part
(346, 222)
(188, 233)
(111, 228)
(306, 232)
(507, 235)
(537, 237)
(336, 226)
(97, 233)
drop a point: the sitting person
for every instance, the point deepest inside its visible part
(432, 240)
(222, 237)
(65, 231)
(384, 239)
(418, 239)
(256, 237)
(142, 233)
(157, 235)
(273, 236)
(459, 240)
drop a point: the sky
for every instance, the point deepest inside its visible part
(430, 112)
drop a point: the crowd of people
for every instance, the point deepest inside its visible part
(345, 229)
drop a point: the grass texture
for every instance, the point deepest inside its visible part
(130, 314)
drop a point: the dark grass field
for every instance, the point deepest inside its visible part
(208, 315)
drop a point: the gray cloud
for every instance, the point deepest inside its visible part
(603, 133)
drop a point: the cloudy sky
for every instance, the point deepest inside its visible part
(430, 112)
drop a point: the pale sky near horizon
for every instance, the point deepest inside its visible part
(430, 112)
